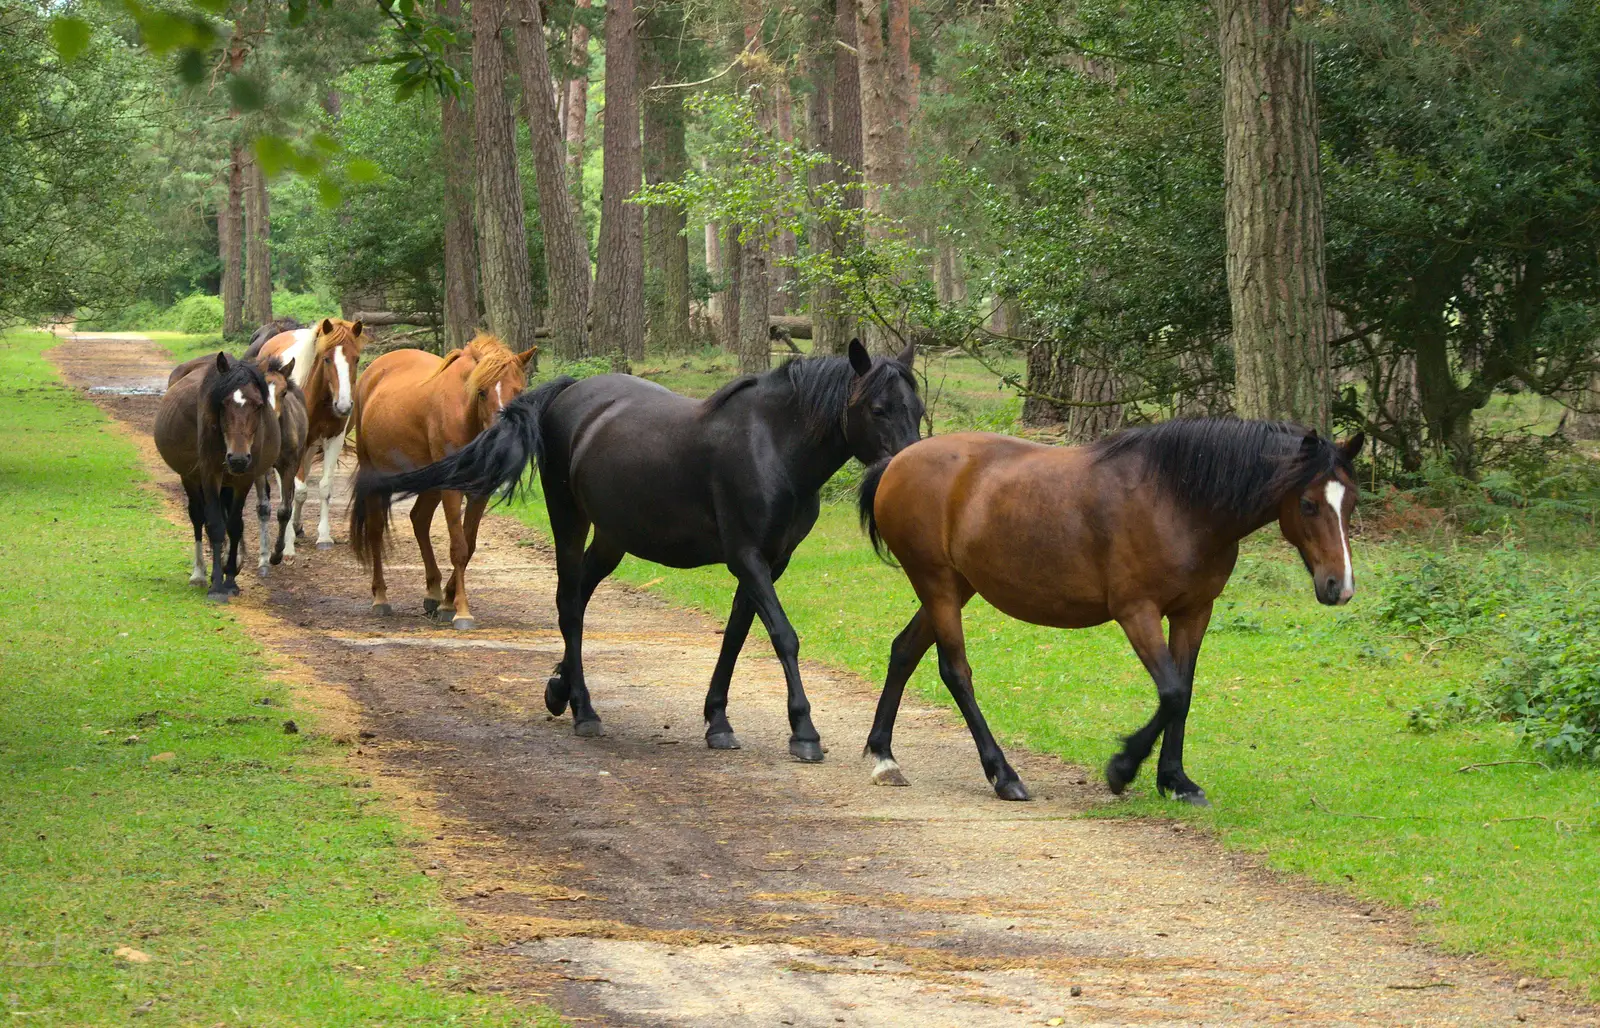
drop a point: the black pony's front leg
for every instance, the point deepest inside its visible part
(235, 502)
(1174, 680)
(719, 733)
(217, 535)
(756, 579)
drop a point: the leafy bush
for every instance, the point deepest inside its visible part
(306, 308)
(1542, 633)
(195, 315)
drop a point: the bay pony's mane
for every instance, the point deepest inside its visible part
(1238, 468)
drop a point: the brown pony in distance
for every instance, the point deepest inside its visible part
(325, 363)
(289, 404)
(216, 429)
(414, 408)
(1140, 526)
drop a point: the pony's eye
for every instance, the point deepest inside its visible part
(879, 410)
(1308, 508)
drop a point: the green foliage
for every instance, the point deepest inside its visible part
(1442, 597)
(198, 314)
(1549, 681)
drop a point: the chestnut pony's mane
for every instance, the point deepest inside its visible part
(1233, 467)
(493, 358)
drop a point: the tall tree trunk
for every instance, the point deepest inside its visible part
(1584, 422)
(619, 282)
(901, 82)
(835, 330)
(502, 233)
(566, 252)
(715, 270)
(876, 109)
(230, 232)
(827, 324)
(733, 260)
(1273, 211)
(257, 255)
(577, 108)
(461, 312)
(785, 247)
(666, 158)
(755, 276)
(950, 282)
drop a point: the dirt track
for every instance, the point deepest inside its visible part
(640, 879)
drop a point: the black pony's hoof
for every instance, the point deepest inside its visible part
(219, 595)
(808, 751)
(587, 729)
(430, 606)
(555, 696)
(1012, 790)
(722, 741)
(277, 558)
(1119, 773)
(1195, 798)
(383, 610)
(233, 589)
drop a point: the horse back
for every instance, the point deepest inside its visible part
(295, 344)
(177, 427)
(401, 410)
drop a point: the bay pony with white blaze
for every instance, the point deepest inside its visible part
(1140, 526)
(414, 408)
(325, 363)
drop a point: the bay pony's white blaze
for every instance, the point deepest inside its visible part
(1335, 494)
(238, 397)
(341, 400)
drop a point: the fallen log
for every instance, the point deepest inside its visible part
(798, 326)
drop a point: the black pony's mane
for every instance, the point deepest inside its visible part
(823, 387)
(1237, 468)
(221, 384)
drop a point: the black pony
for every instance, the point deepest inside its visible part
(729, 480)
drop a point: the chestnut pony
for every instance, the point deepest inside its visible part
(325, 360)
(1140, 526)
(414, 408)
(216, 429)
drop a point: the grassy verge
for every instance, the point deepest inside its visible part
(150, 799)
(1298, 733)
(184, 346)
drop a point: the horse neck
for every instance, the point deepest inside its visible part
(811, 460)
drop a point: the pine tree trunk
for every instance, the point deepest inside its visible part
(785, 247)
(733, 260)
(1584, 423)
(230, 232)
(716, 270)
(1273, 212)
(876, 111)
(258, 255)
(566, 252)
(833, 333)
(666, 158)
(577, 107)
(949, 280)
(755, 344)
(461, 312)
(901, 85)
(502, 233)
(827, 323)
(619, 283)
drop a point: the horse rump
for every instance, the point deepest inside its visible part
(866, 507)
(493, 462)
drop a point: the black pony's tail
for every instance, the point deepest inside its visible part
(493, 462)
(865, 506)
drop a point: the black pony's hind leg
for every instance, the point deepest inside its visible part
(904, 656)
(601, 558)
(719, 733)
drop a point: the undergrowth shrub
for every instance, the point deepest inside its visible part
(1540, 634)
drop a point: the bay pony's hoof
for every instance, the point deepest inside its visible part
(383, 610)
(463, 624)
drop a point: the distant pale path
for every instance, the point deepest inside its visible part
(640, 879)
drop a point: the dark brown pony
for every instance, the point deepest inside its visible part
(289, 404)
(1140, 526)
(325, 363)
(215, 428)
(414, 408)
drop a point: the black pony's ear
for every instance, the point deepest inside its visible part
(908, 356)
(859, 358)
(287, 370)
(1311, 441)
(223, 363)
(1352, 446)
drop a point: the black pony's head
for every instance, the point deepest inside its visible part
(236, 394)
(884, 414)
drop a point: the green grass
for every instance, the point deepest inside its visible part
(1298, 733)
(258, 878)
